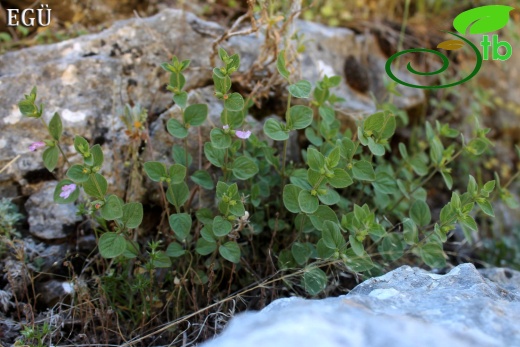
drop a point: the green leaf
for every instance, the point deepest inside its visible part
(96, 186)
(341, 179)
(301, 252)
(132, 215)
(489, 187)
(131, 250)
(331, 235)
(321, 95)
(313, 137)
(177, 173)
(420, 213)
(323, 251)
(347, 148)
(244, 168)
(178, 194)
(333, 158)
(222, 83)
(315, 159)
(281, 66)
(230, 251)
(78, 173)
(356, 245)
(392, 247)
(204, 215)
(363, 171)
(432, 255)
(358, 263)
(301, 116)
(175, 250)
(111, 245)
(275, 130)
(177, 80)
(314, 280)
(327, 114)
(55, 127)
(385, 183)
(28, 108)
(307, 202)
(205, 247)
(389, 126)
(410, 233)
(472, 186)
(234, 63)
(300, 89)
(290, 198)
(155, 170)
(195, 114)
(219, 139)
(112, 209)
(419, 166)
(329, 197)
(468, 222)
(375, 148)
(477, 146)
(215, 156)
(486, 207)
(161, 260)
(179, 156)
(181, 225)
(203, 179)
(176, 129)
(207, 232)
(221, 226)
(181, 99)
(81, 145)
(97, 156)
(374, 122)
(323, 214)
(436, 149)
(222, 54)
(234, 102)
(447, 179)
(483, 19)
(50, 157)
(72, 197)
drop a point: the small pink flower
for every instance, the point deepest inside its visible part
(35, 145)
(66, 190)
(244, 135)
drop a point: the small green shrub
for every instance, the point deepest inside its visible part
(357, 200)
(9, 217)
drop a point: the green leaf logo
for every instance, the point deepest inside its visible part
(482, 20)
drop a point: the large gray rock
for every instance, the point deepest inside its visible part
(406, 307)
(89, 79)
(48, 220)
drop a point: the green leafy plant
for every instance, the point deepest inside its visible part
(9, 217)
(356, 200)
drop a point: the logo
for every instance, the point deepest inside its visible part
(479, 20)
(28, 16)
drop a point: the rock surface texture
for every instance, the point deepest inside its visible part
(88, 80)
(407, 307)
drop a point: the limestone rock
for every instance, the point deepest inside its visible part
(405, 307)
(48, 220)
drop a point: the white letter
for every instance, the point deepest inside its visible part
(10, 16)
(31, 22)
(40, 15)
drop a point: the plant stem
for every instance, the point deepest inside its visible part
(57, 142)
(288, 123)
(186, 158)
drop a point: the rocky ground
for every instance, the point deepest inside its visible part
(89, 79)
